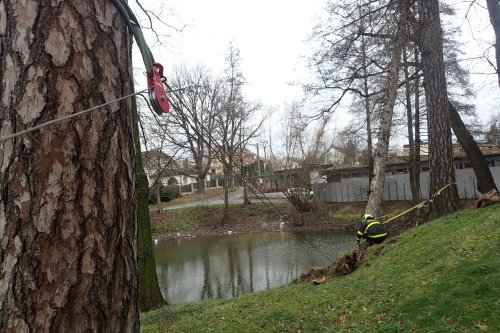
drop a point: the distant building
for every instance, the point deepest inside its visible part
(350, 183)
(334, 156)
(158, 165)
(288, 163)
(249, 158)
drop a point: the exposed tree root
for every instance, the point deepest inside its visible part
(491, 196)
(342, 266)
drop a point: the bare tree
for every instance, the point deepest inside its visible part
(201, 97)
(347, 62)
(67, 198)
(235, 122)
(306, 145)
(358, 49)
(352, 146)
(361, 56)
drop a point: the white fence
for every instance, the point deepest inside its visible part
(397, 187)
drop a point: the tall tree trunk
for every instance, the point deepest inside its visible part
(442, 170)
(246, 198)
(416, 160)
(414, 186)
(485, 181)
(494, 12)
(67, 197)
(227, 171)
(380, 157)
(244, 179)
(201, 183)
(157, 188)
(149, 291)
(244, 183)
(367, 115)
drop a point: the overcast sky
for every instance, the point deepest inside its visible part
(271, 36)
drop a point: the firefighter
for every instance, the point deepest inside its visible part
(372, 230)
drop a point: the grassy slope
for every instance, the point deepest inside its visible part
(443, 276)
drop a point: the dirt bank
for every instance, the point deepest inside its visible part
(239, 228)
(206, 221)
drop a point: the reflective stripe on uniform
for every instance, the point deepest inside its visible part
(369, 225)
(378, 236)
(360, 233)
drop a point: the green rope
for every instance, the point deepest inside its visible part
(135, 28)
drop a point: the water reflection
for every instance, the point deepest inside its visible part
(225, 267)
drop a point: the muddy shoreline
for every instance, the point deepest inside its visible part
(249, 219)
(273, 226)
(276, 226)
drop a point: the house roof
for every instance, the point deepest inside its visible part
(393, 160)
(155, 161)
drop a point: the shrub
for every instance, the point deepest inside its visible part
(167, 193)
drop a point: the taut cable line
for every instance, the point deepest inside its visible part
(67, 117)
(268, 203)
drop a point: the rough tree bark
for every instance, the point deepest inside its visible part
(442, 170)
(67, 198)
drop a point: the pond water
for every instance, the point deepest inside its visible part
(191, 270)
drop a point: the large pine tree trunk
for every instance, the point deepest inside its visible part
(442, 170)
(67, 199)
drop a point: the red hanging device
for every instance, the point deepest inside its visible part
(157, 94)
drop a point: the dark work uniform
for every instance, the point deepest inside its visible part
(373, 231)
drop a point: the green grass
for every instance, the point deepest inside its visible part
(443, 276)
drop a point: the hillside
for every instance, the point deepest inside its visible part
(443, 276)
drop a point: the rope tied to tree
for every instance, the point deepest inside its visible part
(422, 204)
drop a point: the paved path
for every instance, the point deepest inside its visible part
(235, 197)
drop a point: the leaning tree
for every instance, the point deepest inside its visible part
(67, 199)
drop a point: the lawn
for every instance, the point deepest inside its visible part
(443, 276)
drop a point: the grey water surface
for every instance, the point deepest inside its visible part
(224, 267)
